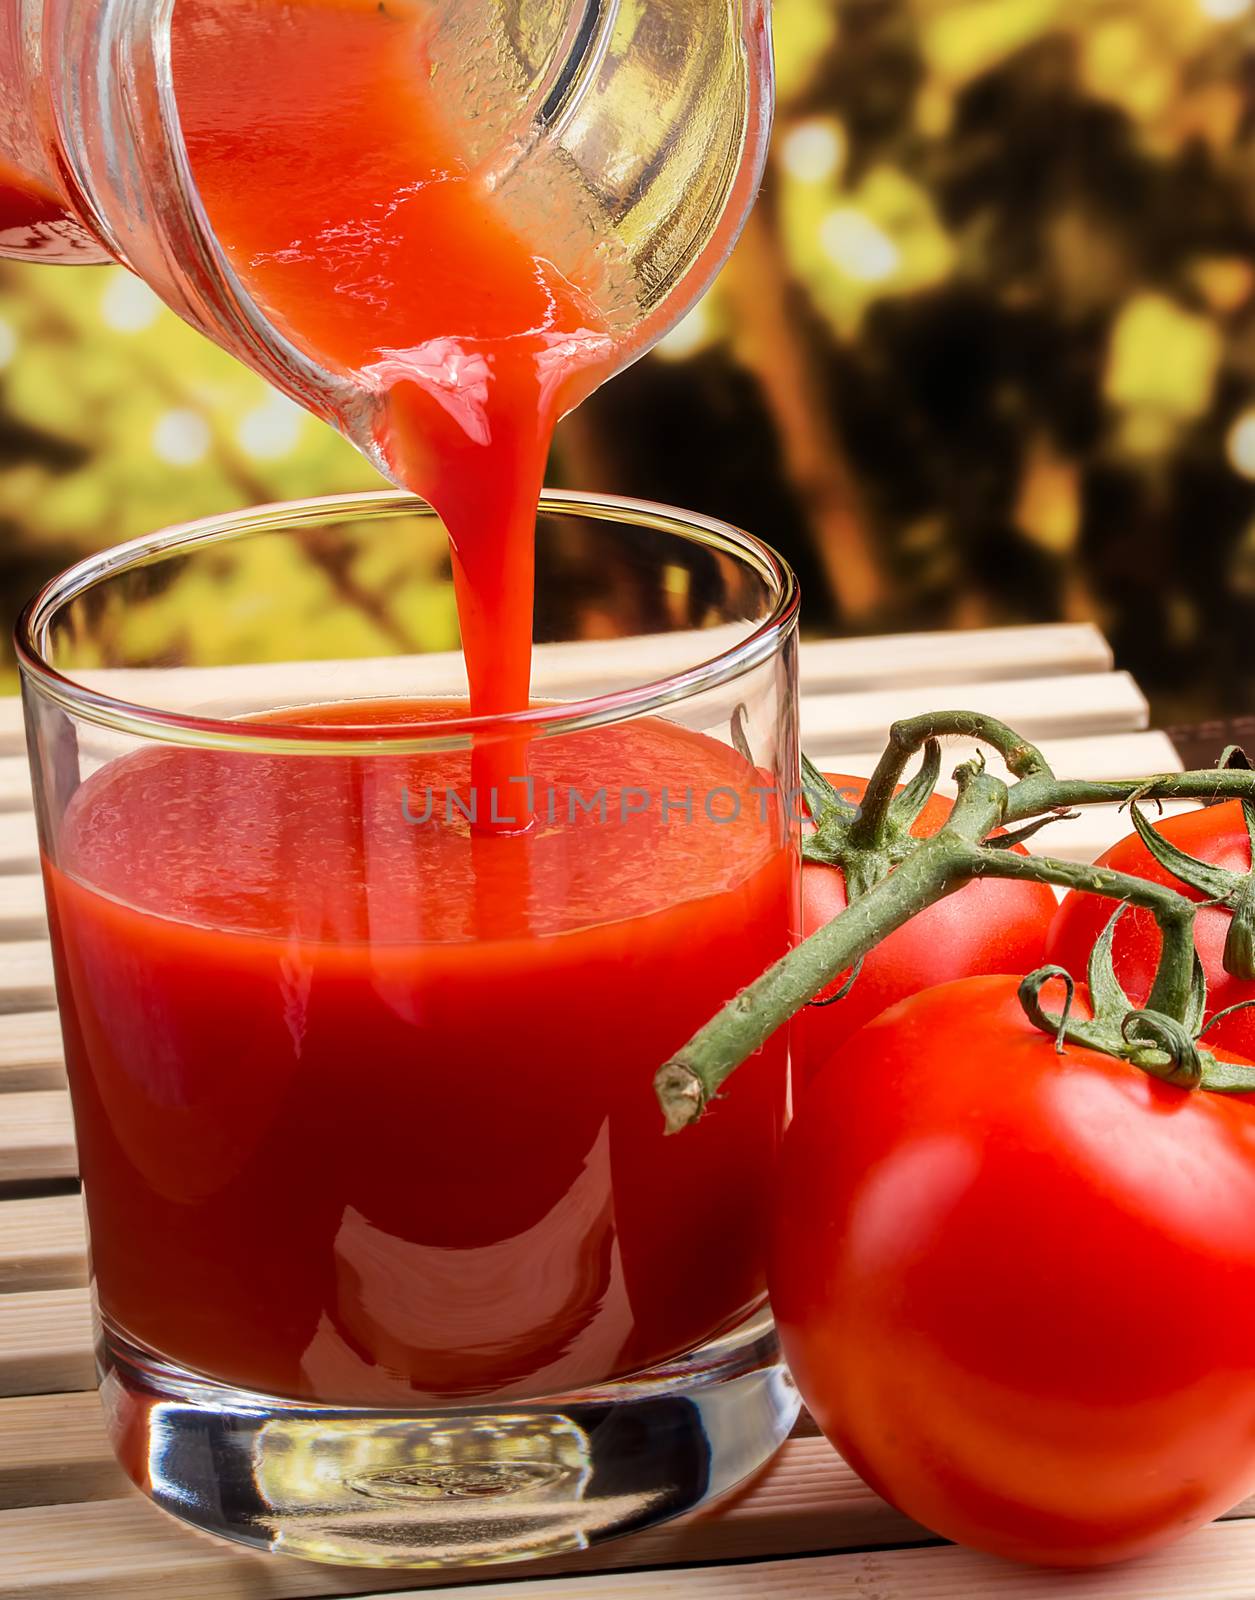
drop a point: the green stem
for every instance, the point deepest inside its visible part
(692, 1078)
(1041, 793)
(1173, 912)
(940, 865)
(1038, 790)
(908, 737)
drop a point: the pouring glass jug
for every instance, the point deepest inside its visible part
(624, 137)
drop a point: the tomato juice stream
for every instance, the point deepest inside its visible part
(364, 1093)
(359, 227)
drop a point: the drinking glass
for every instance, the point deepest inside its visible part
(362, 998)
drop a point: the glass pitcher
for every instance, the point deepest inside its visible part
(637, 130)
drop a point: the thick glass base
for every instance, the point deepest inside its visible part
(447, 1488)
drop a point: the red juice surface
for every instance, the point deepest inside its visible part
(357, 219)
(366, 1115)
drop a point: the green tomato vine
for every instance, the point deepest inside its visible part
(891, 877)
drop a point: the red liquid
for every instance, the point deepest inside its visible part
(36, 222)
(367, 1117)
(369, 238)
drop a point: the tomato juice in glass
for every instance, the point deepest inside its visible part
(365, 1100)
(382, 1214)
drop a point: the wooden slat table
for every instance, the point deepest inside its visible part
(71, 1526)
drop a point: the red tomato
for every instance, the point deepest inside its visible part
(1017, 1289)
(1213, 833)
(988, 926)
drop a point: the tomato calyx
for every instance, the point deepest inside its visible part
(1232, 891)
(1165, 1046)
(866, 841)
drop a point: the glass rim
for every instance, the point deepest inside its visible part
(177, 727)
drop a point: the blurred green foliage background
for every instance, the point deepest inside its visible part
(986, 352)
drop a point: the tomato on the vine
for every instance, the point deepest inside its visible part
(1213, 834)
(1017, 1287)
(990, 925)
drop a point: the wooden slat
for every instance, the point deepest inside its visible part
(36, 1137)
(1213, 1564)
(23, 914)
(823, 664)
(43, 1244)
(45, 1342)
(1039, 708)
(965, 657)
(1072, 705)
(804, 1501)
(15, 783)
(26, 980)
(19, 844)
(1121, 755)
(578, 668)
(12, 731)
(54, 1451)
(31, 1055)
(952, 657)
(125, 1550)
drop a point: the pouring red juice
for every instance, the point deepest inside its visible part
(374, 244)
(363, 1091)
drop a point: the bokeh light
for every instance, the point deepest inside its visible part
(271, 430)
(181, 438)
(688, 336)
(813, 151)
(853, 242)
(128, 305)
(1240, 444)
